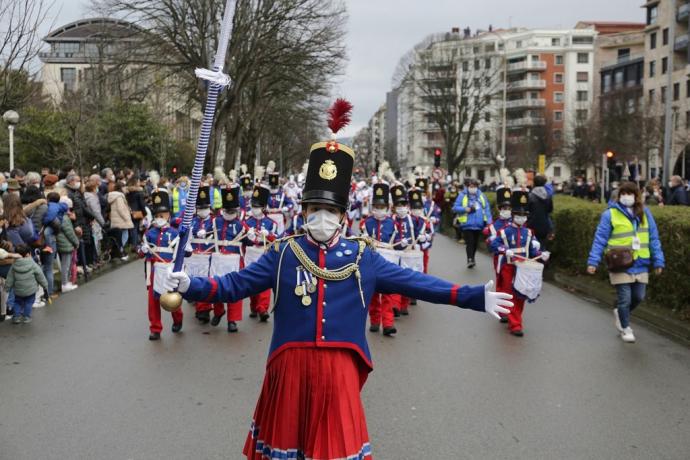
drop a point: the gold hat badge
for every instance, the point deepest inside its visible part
(379, 192)
(328, 170)
(202, 194)
(256, 193)
(523, 199)
(230, 197)
(398, 192)
(157, 200)
(415, 196)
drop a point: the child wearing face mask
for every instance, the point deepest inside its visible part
(408, 229)
(423, 224)
(158, 247)
(261, 230)
(491, 231)
(515, 242)
(202, 242)
(381, 227)
(228, 230)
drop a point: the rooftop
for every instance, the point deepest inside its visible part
(93, 28)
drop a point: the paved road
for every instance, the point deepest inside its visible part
(83, 382)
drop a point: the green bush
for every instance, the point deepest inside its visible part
(575, 222)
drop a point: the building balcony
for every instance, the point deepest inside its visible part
(683, 12)
(525, 122)
(431, 127)
(526, 84)
(525, 104)
(526, 66)
(681, 42)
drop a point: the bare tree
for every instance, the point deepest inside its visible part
(19, 46)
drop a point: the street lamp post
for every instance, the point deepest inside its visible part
(11, 118)
(505, 98)
(668, 120)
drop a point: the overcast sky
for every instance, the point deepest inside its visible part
(380, 31)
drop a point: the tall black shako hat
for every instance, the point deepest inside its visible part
(399, 194)
(231, 197)
(381, 193)
(274, 180)
(246, 182)
(503, 196)
(422, 182)
(519, 200)
(161, 201)
(415, 198)
(330, 164)
(203, 199)
(260, 196)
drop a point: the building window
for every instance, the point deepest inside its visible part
(582, 77)
(556, 169)
(558, 78)
(465, 66)
(487, 116)
(651, 96)
(555, 42)
(583, 40)
(558, 97)
(652, 69)
(558, 115)
(663, 95)
(652, 41)
(582, 114)
(664, 66)
(623, 54)
(487, 63)
(476, 64)
(687, 88)
(664, 37)
(687, 119)
(618, 79)
(652, 13)
(68, 76)
(582, 96)
(559, 59)
(606, 83)
(487, 135)
(557, 134)
(676, 91)
(583, 58)
(518, 44)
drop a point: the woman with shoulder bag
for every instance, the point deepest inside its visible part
(628, 238)
(120, 217)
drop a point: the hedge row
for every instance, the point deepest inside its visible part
(575, 222)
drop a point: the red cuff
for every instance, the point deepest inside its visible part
(214, 289)
(454, 295)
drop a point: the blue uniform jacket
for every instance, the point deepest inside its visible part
(409, 228)
(383, 230)
(433, 213)
(517, 239)
(603, 233)
(491, 230)
(278, 201)
(258, 225)
(337, 316)
(227, 230)
(161, 242)
(478, 219)
(202, 244)
(295, 225)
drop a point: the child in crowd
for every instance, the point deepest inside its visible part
(67, 242)
(24, 277)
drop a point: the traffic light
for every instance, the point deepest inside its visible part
(437, 158)
(610, 154)
(174, 169)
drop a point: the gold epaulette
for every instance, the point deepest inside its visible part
(276, 244)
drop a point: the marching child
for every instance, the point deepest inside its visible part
(491, 232)
(381, 228)
(158, 247)
(514, 243)
(261, 230)
(229, 229)
(423, 224)
(202, 243)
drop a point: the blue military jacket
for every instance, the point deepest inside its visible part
(278, 201)
(225, 232)
(200, 245)
(383, 230)
(337, 314)
(161, 243)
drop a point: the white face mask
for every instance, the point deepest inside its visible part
(379, 214)
(258, 212)
(417, 212)
(203, 213)
(472, 190)
(159, 222)
(505, 214)
(76, 185)
(402, 211)
(229, 215)
(520, 220)
(627, 200)
(322, 225)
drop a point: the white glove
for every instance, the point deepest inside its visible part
(536, 244)
(496, 302)
(144, 249)
(434, 220)
(251, 234)
(545, 256)
(509, 253)
(201, 233)
(286, 209)
(179, 281)
(264, 232)
(403, 242)
(421, 239)
(189, 247)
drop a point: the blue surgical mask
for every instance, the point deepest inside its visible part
(3, 187)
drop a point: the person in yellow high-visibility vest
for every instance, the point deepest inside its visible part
(628, 224)
(474, 213)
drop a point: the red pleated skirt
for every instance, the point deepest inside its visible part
(310, 408)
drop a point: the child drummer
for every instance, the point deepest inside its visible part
(491, 232)
(158, 248)
(203, 243)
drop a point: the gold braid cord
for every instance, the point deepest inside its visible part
(327, 275)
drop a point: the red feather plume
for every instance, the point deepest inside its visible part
(339, 115)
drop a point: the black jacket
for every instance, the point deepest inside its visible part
(540, 209)
(678, 196)
(82, 213)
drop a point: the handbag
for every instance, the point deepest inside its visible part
(619, 259)
(137, 215)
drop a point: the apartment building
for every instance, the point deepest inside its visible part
(549, 76)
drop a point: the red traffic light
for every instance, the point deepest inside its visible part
(437, 152)
(174, 169)
(610, 154)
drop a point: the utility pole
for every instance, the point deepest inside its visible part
(668, 113)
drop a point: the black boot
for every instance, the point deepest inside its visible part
(504, 319)
(204, 316)
(413, 302)
(374, 328)
(176, 327)
(471, 263)
(404, 312)
(389, 331)
(232, 326)
(155, 336)
(253, 314)
(517, 333)
(215, 321)
(264, 317)
(396, 313)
